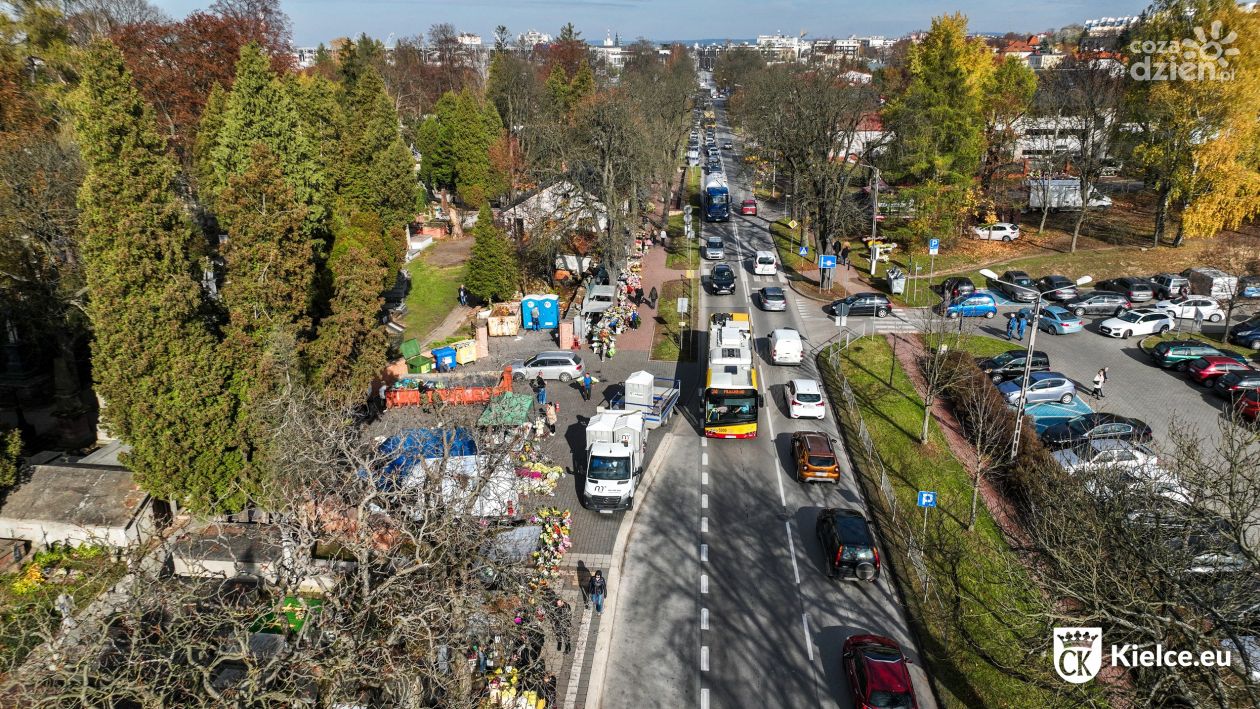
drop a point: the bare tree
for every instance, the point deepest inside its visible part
(390, 564)
(89, 19)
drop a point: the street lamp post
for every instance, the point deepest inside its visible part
(1028, 352)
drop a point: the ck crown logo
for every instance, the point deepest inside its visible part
(1077, 653)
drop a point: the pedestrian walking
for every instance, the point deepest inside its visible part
(540, 388)
(463, 295)
(1020, 325)
(383, 401)
(634, 320)
(596, 589)
(587, 381)
(652, 296)
(562, 624)
(551, 413)
(1010, 327)
(844, 256)
(1099, 380)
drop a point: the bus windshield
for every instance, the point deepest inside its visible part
(727, 409)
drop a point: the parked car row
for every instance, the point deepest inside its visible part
(1227, 374)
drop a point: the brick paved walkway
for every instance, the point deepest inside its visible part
(654, 275)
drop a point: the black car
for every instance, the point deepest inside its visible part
(876, 304)
(1097, 303)
(1057, 288)
(1234, 383)
(1246, 333)
(847, 544)
(1010, 364)
(956, 287)
(1137, 290)
(722, 279)
(1017, 285)
(1096, 425)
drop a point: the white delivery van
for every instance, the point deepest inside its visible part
(786, 346)
(765, 263)
(693, 157)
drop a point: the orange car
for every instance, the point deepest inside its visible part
(815, 458)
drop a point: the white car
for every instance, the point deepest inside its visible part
(786, 346)
(765, 263)
(1102, 453)
(1000, 231)
(805, 399)
(1140, 321)
(1187, 305)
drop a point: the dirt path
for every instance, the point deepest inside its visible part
(455, 320)
(909, 349)
(449, 252)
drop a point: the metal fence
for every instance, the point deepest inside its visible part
(874, 466)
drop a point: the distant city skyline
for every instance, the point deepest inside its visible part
(316, 21)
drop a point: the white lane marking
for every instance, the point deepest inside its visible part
(704, 477)
(704, 501)
(704, 442)
(704, 618)
(704, 553)
(792, 551)
(704, 583)
(704, 658)
(704, 525)
(809, 646)
(704, 698)
(704, 459)
(779, 477)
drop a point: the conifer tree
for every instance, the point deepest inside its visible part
(207, 135)
(374, 168)
(583, 84)
(492, 269)
(259, 110)
(557, 88)
(153, 360)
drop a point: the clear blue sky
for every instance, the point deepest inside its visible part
(317, 21)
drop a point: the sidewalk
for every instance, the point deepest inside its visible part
(654, 275)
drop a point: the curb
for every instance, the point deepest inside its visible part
(603, 641)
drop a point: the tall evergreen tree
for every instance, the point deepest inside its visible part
(206, 138)
(456, 143)
(318, 105)
(583, 84)
(492, 271)
(938, 122)
(153, 360)
(557, 90)
(259, 110)
(374, 169)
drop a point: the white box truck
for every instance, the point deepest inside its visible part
(1063, 194)
(1211, 281)
(616, 451)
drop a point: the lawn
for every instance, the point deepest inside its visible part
(990, 595)
(787, 241)
(684, 254)
(979, 345)
(28, 597)
(434, 293)
(666, 320)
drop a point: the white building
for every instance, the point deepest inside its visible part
(534, 37)
(780, 47)
(469, 40)
(1041, 62)
(1108, 26)
(305, 56)
(610, 52)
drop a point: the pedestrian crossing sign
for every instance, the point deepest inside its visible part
(804, 251)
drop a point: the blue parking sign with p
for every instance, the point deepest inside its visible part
(927, 498)
(934, 246)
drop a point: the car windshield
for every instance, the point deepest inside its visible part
(770, 295)
(1022, 281)
(1131, 316)
(889, 700)
(602, 468)
(765, 259)
(821, 461)
(1080, 426)
(1003, 358)
(809, 398)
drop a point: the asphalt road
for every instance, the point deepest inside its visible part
(724, 599)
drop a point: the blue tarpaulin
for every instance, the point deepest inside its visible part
(414, 445)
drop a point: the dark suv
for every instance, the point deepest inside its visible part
(1137, 290)
(1098, 303)
(1057, 288)
(722, 279)
(1246, 333)
(957, 287)
(1017, 285)
(1010, 364)
(847, 544)
(1168, 285)
(876, 304)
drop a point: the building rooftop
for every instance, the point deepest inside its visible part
(83, 495)
(247, 543)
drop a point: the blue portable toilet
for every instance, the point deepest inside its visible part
(445, 358)
(548, 312)
(529, 305)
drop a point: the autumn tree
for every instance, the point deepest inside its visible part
(153, 360)
(1008, 97)
(492, 269)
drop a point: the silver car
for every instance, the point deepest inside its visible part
(713, 248)
(558, 364)
(772, 298)
(1043, 386)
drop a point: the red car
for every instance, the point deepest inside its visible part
(1206, 370)
(1248, 405)
(748, 206)
(878, 674)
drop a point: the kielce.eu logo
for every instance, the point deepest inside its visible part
(1077, 653)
